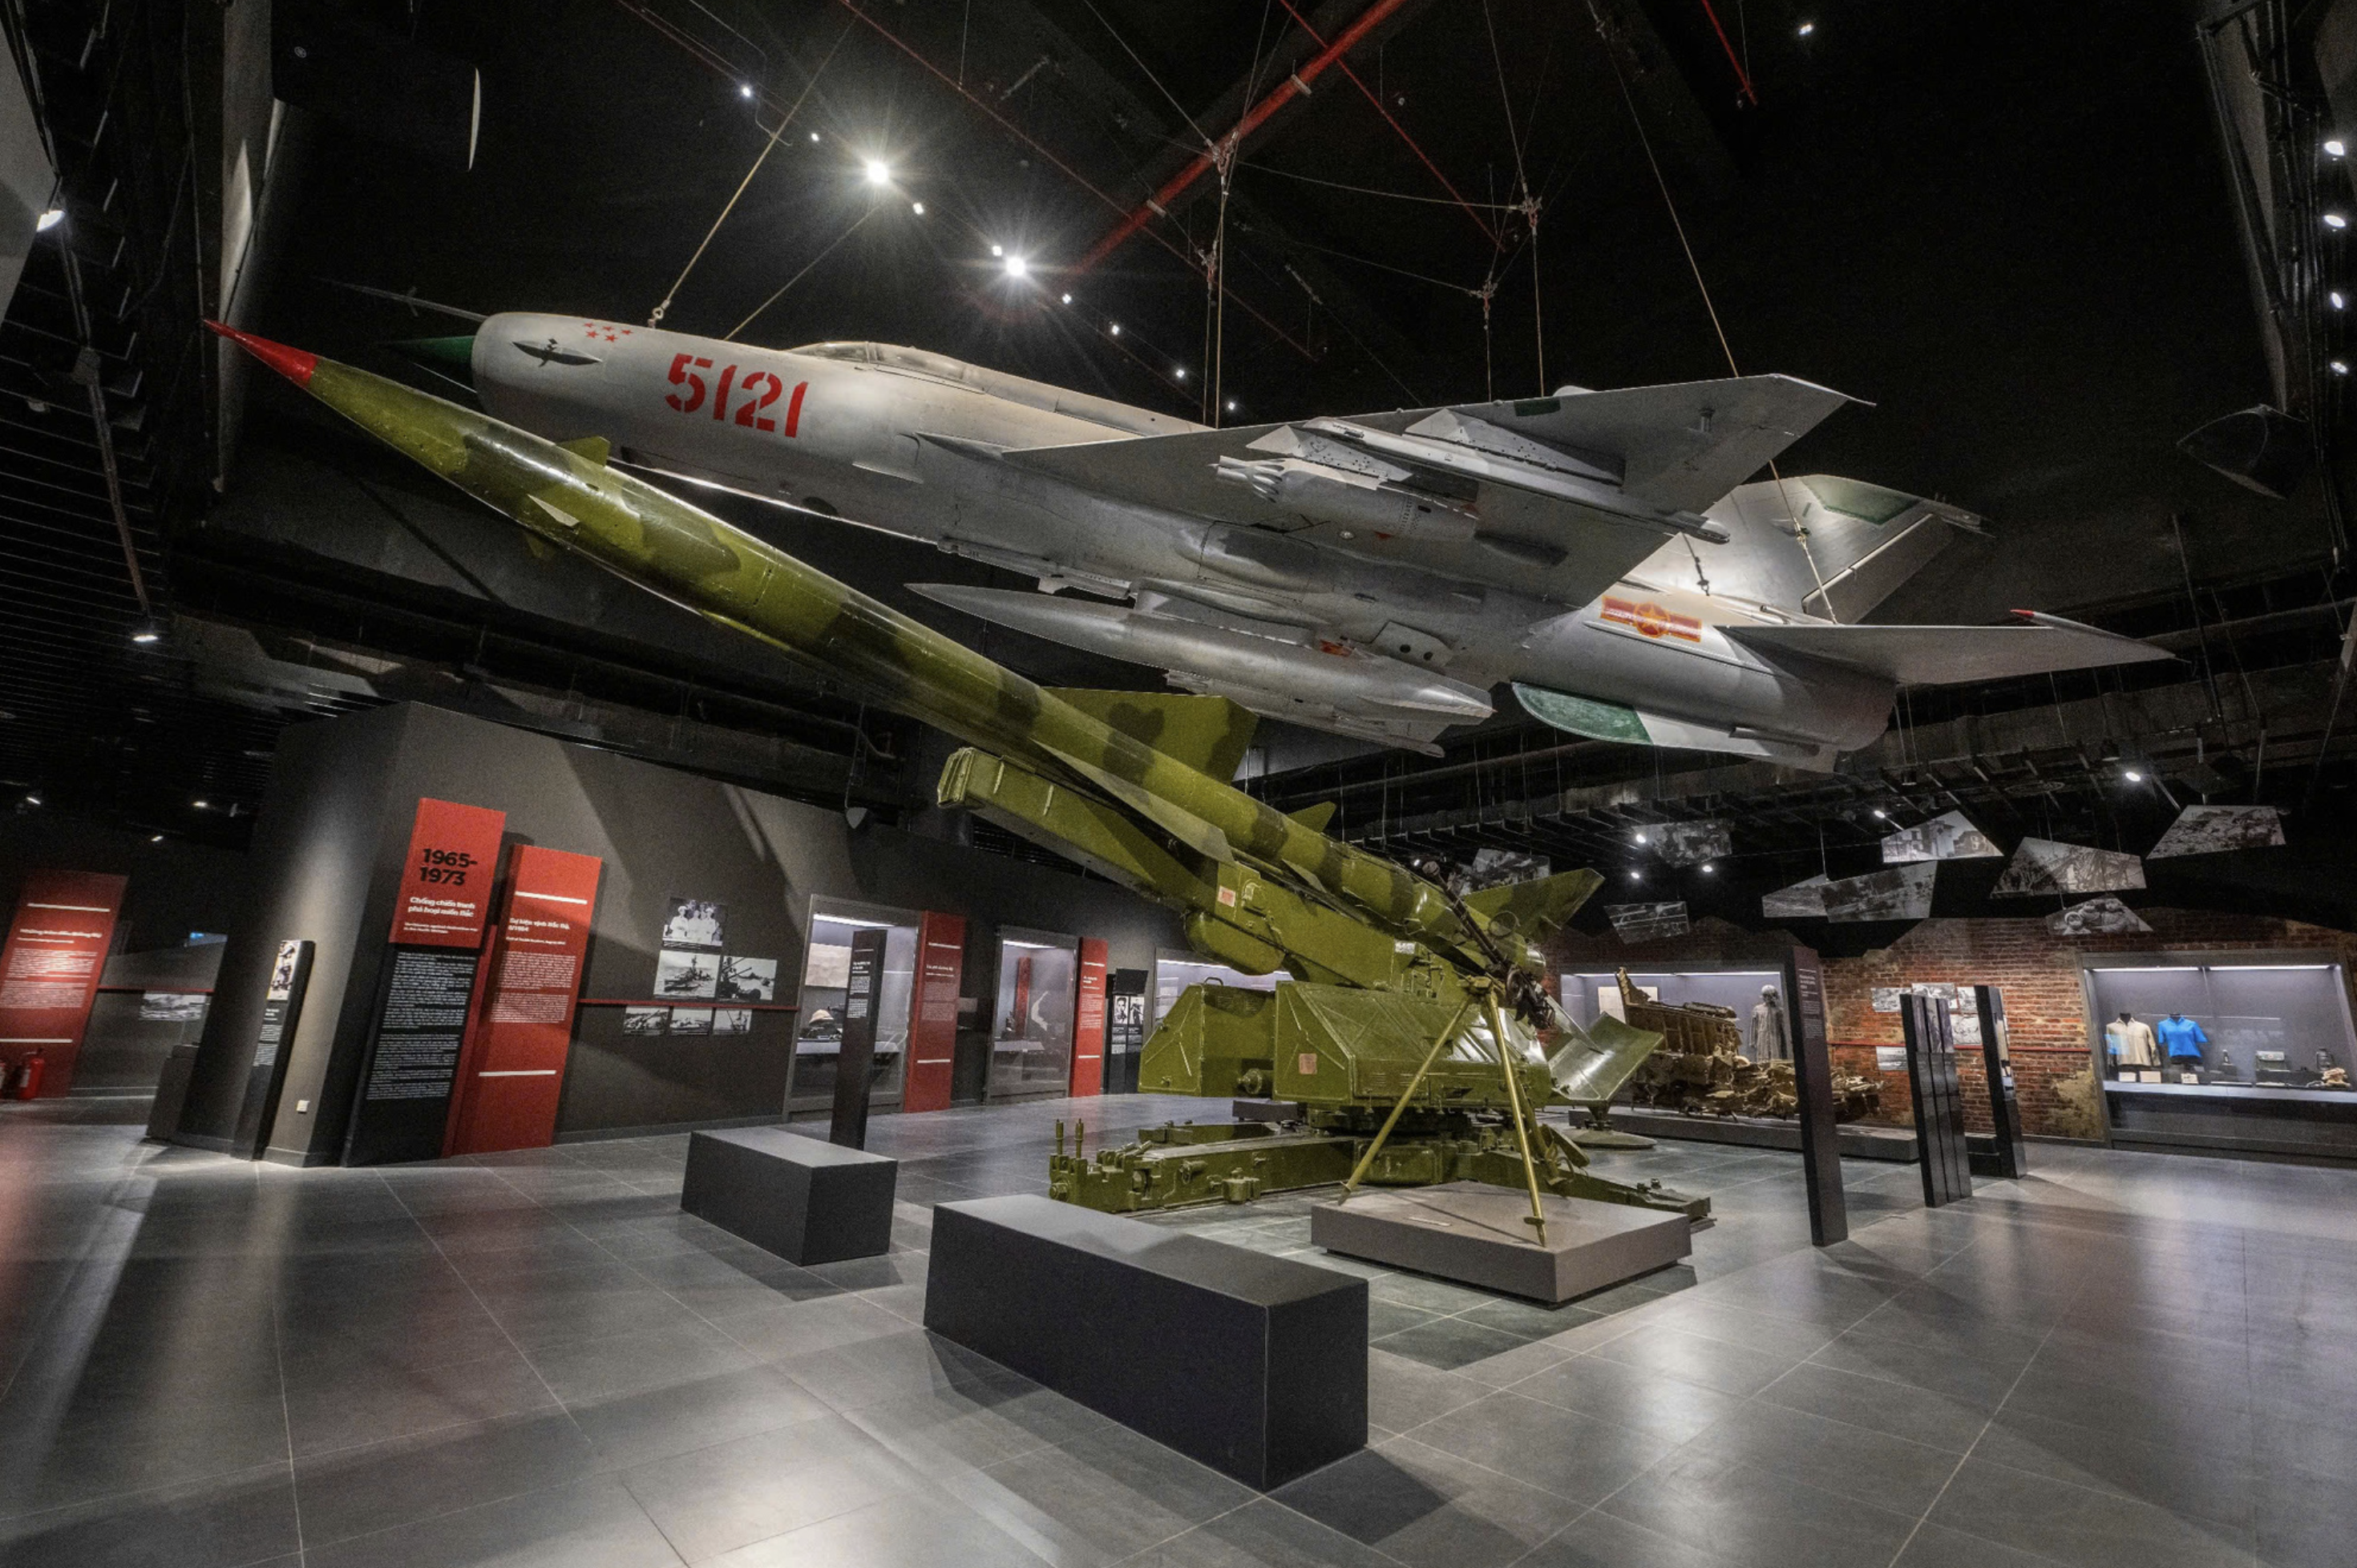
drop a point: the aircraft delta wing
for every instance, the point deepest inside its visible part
(1580, 487)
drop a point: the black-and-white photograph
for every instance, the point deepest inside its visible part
(747, 978)
(281, 970)
(1902, 894)
(1493, 868)
(691, 1020)
(645, 1020)
(173, 1006)
(1644, 922)
(1689, 843)
(1948, 836)
(686, 974)
(1801, 901)
(732, 1020)
(2097, 917)
(2044, 866)
(1884, 998)
(695, 923)
(2214, 830)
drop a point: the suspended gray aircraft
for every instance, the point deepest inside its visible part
(1607, 553)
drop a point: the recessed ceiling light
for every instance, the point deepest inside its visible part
(918, 207)
(156, 838)
(49, 220)
(1636, 877)
(2335, 221)
(1231, 405)
(1180, 372)
(33, 798)
(2133, 776)
(1016, 266)
(1805, 29)
(2335, 147)
(2340, 300)
(2339, 367)
(814, 136)
(1067, 299)
(879, 172)
(1707, 868)
(1881, 815)
(1114, 329)
(998, 250)
(1640, 838)
(200, 803)
(744, 89)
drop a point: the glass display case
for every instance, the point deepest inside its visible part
(1031, 1031)
(2282, 1026)
(818, 1027)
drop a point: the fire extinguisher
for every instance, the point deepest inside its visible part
(29, 1077)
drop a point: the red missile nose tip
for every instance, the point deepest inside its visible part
(293, 363)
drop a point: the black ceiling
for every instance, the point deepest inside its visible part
(2003, 222)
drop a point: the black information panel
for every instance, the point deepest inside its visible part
(855, 1068)
(1812, 1070)
(2009, 1159)
(1939, 1106)
(404, 1098)
(1124, 1029)
(282, 1009)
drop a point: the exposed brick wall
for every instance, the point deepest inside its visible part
(2037, 971)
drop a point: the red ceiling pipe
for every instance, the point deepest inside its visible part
(1742, 77)
(1285, 92)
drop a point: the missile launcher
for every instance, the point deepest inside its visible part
(1416, 1036)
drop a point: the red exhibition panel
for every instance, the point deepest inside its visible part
(1089, 1020)
(514, 1065)
(446, 882)
(49, 969)
(932, 1023)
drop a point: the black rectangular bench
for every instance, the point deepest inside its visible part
(1255, 1365)
(807, 1201)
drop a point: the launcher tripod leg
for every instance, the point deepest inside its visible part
(1413, 1084)
(1537, 1221)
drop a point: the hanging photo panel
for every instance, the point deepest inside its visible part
(1945, 837)
(2213, 829)
(2043, 865)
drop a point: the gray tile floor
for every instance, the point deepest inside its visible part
(535, 1359)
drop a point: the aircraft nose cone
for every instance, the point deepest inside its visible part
(293, 363)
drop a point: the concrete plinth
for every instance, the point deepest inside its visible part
(1858, 1140)
(807, 1201)
(1481, 1235)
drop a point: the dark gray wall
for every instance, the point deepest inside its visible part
(327, 858)
(175, 887)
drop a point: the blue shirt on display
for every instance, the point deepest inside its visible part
(2181, 1037)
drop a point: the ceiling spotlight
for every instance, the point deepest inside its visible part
(33, 799)
(998, 250)
(1231, 405)
(2336, 221)
(2334, 147)
(1115, 330)
(1708, 867)
(1636, 877)
(156, 838)
(744, 89)
(2340, 300)
(1180, 372)
(1881, 815)
(1016, 266)
(2339, 367)
(1805, 29)
(814, 136)
(49, 220)
(2132, 776)
(1067, 299)
(879, 172)
(146, 633)
(200, 803)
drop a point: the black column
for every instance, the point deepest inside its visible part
(1812, 1073)
(2010, 1160)
(854, 1067)
(282, 1009)
(1938, 1111)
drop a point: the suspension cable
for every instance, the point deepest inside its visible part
(769, 146)
(1800, 531)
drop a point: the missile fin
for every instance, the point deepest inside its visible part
(1315, 817)
(596, 448)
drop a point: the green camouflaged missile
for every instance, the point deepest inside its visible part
(1135, 786)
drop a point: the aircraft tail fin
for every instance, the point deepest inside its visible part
(1862, 542)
